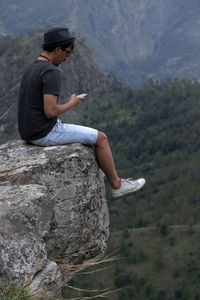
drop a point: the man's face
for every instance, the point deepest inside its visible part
(61, 55)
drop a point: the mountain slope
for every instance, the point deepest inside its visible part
(154, 133)
(145, 263)
(136, 39)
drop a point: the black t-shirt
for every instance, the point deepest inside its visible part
(41, 77)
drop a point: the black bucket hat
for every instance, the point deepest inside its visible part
(57, 37)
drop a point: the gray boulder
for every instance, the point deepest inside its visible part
(52, 210)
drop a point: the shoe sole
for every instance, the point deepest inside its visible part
(130, 192)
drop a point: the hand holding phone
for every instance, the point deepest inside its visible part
(82, 95)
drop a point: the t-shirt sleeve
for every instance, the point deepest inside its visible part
(51, 82)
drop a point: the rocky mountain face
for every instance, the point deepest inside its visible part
(136, 39)
(53, 213)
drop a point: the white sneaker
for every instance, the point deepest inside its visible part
(128, 186)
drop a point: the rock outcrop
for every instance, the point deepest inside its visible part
(52, 208)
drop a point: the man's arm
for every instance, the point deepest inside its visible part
(52, 109)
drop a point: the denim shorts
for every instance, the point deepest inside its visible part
(63, 133)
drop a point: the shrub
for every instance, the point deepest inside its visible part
(125, 234)
(172, 241)
(176, 271)
(122, 280)
(178, 293)
(149, 290)
(162, 295)
(163, 229)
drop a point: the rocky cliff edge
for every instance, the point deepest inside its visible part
(52, 210)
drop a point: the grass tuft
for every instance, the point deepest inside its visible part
(11, 291)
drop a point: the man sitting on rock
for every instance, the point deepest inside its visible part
(38, 110)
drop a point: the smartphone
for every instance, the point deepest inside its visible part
(82, 95)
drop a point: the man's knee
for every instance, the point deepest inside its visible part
(101, 138)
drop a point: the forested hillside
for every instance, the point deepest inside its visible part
(154, 132)
(144, 264)
(135, 39)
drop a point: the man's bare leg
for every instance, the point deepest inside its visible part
(105, 160)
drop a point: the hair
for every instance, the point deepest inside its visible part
(63, 47)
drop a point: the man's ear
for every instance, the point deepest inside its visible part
(57, 50)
